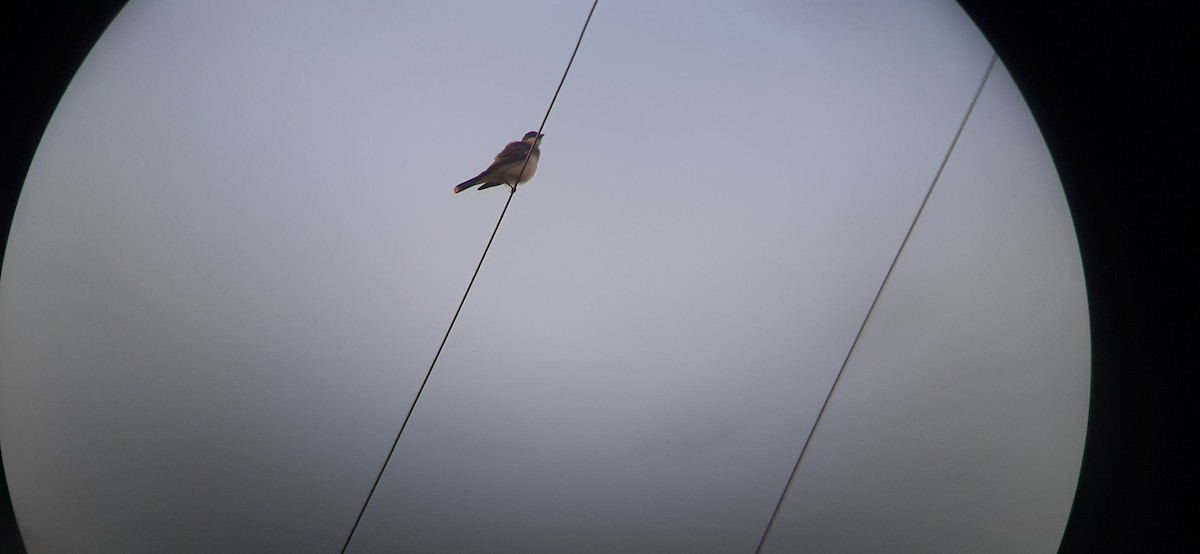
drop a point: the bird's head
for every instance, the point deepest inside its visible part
(533, 137)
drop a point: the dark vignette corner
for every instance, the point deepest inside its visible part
(42, 44)
(1105, 83)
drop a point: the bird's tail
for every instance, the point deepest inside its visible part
(466, 184)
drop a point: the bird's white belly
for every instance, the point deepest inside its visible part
(510, 172)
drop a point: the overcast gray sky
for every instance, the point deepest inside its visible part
(237, 250)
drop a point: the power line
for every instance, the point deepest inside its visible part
(471, 283)
(870, 310)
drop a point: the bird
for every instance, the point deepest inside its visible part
(508, 164)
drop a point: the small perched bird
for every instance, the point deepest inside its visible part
(508, 163)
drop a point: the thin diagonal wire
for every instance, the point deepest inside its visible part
(845, 361)
(463, 301)
(420, 389)
(557, 90)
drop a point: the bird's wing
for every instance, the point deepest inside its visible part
(514, 152)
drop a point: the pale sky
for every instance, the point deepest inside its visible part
(237, 251)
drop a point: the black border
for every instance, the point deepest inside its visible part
(42, 44)
(1105, 82)
(1106, 86)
